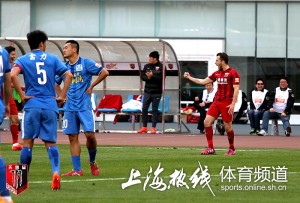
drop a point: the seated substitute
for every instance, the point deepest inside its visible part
(259, 99)
(281, 103)
(202, 105)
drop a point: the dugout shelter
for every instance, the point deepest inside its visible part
(124, 59)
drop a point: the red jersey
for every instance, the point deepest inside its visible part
(226, 79)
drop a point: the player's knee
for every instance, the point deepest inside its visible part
(14, 120)
(89, 135)
(228, 127)
(207, 123)
(73, 138)
(91, 141)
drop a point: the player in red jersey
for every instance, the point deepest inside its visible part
(228, 88)
(13, 117)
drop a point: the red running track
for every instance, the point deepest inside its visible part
(177, 140)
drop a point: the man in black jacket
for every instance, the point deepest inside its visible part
(152, 74)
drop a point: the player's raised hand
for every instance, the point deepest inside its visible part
(186, 75)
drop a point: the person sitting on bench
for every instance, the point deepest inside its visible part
(281, 103)
(202, 105)
(259, 99)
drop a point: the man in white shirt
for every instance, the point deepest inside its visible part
(202, 105)
(281, 103)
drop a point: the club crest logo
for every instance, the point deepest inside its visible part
(132, 66)
(170, 66)
(16, 178)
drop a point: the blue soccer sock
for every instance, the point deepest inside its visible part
(53, 154)
(26, 156)
(76, 163)
(3, 190)
(92, 154)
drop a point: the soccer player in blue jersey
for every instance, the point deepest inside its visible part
(4, 79)
(78, 107)
(39, 69)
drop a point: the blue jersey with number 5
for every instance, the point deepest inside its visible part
(39, 69)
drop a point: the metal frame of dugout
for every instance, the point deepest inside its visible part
(124, 58)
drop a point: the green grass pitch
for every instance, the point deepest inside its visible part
(117, 162)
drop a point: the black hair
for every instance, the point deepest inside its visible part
(258, 79)
(223, 56)
(10, 49)
(154, 54)
(35, 37)
(74, 44)
(284, 78)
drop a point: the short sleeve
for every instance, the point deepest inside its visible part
(236, 77)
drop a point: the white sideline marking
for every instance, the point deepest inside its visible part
(81, 180)
(111, 179)
(180, 148)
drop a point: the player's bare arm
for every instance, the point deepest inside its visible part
(63, 92)
(15, 80)
(57, 89)
(197, 80)
(236, 89)
(58, 99)
(104, 73)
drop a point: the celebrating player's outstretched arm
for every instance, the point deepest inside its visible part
(197, 80)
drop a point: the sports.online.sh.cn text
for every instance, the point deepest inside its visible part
(263, 178)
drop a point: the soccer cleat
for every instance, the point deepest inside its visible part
(202, 132)
(73, 173)
(208, 151)
(143, 130)
(261, 133)
(253, 131)
(288, 131)
(94, 168)
(55, 182)
(16, 147)
(230, 152)
(153, 130)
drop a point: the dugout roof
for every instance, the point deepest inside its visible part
(124, 58)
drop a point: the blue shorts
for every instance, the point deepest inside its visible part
(40, 123)
(73, 119)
